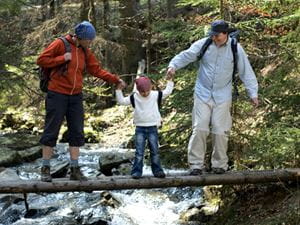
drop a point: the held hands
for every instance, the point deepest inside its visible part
(121, 85)
(170, 73)
(68, 56)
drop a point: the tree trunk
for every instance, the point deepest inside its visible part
(170, 8)
(106, 11)
(52, 9)
(149, 36)
(44, 9)
(222, 9)
(87, 11)
(84, 10)
(130, 34)
(225, 10)
(92, 12)
(59, 4)
(126, 182)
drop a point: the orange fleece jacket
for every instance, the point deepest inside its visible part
(71, 82)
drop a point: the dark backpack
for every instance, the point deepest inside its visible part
(159, 99)
(234, 35)
(45, 73)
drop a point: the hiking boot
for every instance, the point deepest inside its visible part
(160, 174)
(196, 172)
(76, 174)
(45, 174)
(218, 170)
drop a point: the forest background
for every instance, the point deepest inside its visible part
(267, 137)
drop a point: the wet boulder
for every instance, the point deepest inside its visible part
(17, 148)
(19, 141)
(195, 215)
(108, 199)
(98, 222)
(30, 154)
(93, 216)
(112, 160)
(7, 200)
(8, 157)
(10, 215)
(37, 213)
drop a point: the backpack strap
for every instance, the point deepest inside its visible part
(204, 47)
(64, 67)
(132, 99)
(66, 43)
(235, 69)
(159, 99)
(85, 59)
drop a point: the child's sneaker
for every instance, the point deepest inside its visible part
(136, 176)
(160, 174)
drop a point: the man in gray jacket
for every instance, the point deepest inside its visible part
(213, 95)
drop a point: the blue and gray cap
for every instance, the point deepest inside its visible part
(85, 31)
(217, 27)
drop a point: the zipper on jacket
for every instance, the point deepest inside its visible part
(75, 71)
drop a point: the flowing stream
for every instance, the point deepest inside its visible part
(126, 207)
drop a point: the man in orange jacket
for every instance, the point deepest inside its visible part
(64, 96)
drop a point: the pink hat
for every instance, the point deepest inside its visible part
(143, 84)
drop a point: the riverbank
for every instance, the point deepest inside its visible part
(271, 204)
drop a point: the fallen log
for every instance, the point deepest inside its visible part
(126, 182)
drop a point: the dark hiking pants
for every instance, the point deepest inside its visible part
(59, 106)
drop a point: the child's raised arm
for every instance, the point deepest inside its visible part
(169, 88)
(120, 97)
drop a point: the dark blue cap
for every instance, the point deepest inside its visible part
(217, 27)
(85, 31)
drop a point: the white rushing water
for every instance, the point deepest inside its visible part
(150, 207)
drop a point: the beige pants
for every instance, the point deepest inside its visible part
(204, 115)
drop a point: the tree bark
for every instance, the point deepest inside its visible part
(149, 36)
(170, 8)
(92, 12)
(130, 34)
(52, 9)
(87, 11)
(44, 9)
(222, 9)
(106, 11)
(125, 182)
(84, 10)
